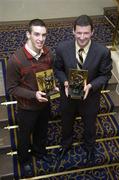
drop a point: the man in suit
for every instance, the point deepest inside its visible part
(97, 60)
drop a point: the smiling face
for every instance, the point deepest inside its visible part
(82, 35)
(36, 38)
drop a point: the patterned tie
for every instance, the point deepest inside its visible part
(80, 62)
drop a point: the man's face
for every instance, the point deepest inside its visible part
(82, 35)
(36, 38)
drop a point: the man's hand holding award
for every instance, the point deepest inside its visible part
(77, 83)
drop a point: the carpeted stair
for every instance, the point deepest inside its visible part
(73, 164)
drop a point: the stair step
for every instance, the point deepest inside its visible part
(6, 172)
(3, 123)
(7, 177)
(106, 127)
(3, 112)
(5, 144)
(106, 130)
(112, 83)
(6, 167)
(103, 155)
(105, 171)
(115, 99)
(75, 159)
(2, 90)
(65, 164)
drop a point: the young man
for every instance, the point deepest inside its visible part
(33, 107)
(97, 60)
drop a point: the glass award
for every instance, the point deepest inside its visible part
(46, 83)
(77, 80)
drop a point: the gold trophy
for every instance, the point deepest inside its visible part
(46, 83)
(77, 80)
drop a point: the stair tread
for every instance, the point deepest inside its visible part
(5, 135)
(77, 162)
(2, 90)
(106, 128)
(3, 123)
(6, 164)
(115, 98)
(4, 138)
(75, 158)
(113, 80)
(8, 168)
(3, 112)
(108, 171)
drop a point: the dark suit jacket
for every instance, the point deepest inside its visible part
(98, 63)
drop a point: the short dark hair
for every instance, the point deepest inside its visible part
(35, 22)
(83, 20)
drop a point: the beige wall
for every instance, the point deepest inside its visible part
(12, 10)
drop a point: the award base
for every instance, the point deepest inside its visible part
(76, 93)
(53, 95)
(77, 80)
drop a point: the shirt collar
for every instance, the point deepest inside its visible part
(33, 53)
(86, 48)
